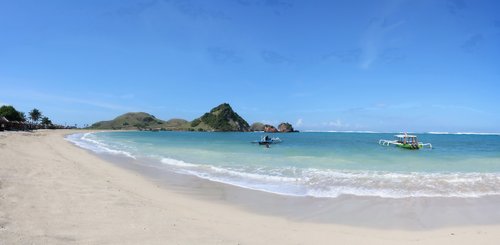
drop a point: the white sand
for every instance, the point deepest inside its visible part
(52, 192)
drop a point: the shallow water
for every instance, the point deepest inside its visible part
(318, 164)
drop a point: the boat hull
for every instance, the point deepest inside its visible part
(409, 146)
(267, 142)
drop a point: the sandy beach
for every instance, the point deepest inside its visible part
(52, 192)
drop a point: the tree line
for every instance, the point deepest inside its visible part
(34, 120)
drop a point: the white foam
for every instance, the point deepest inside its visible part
(275, 188)
(438, 133)
(253, 176)
(400, 185)
(357, 132)
(473, 133)
(336, 131)
(84, 141)
(463, 133)
(333, 183)
(174, 162)
(375, 132)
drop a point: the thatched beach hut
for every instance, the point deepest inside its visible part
(3, 123)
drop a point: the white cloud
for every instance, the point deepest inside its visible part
(337, 124)
(34, 95)
(299, 122)
(274, 122)
(376, 34)
(460, 108)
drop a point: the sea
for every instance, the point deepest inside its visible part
(317, 164)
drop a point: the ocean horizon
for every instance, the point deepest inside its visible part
(390, 132)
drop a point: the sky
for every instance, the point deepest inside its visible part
(351, 65)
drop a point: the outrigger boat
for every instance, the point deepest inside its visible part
(266, 140)
(405, 141)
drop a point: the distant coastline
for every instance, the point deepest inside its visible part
(221, 118)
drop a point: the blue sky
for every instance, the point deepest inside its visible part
(426, 65)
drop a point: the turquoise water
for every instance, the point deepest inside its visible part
(318, 164)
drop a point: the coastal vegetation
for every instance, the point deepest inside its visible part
(12, 119)
(46, 122)
(35, 115)
(131, 120)
(11, 114)
(221, 118)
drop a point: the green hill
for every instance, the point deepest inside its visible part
(221, 118)
(132, 120)
(177, 123)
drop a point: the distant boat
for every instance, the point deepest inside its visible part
(266, 140)
(405, 141)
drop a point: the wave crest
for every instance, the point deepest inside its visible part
(85, 141)
(333, 183)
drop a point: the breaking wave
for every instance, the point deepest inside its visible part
(333, 183)
(86, 141)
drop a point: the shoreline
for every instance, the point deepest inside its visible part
(301, 168)
(54, 192)
(408, 213)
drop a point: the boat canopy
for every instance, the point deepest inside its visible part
(407, 136)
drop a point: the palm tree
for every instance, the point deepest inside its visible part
(35, 115)
(46, 122)
(22, 116)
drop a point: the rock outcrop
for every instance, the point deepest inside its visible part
(257, 127)
(285, 128)
(270, 129)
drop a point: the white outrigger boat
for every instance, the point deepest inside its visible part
(405, 141)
